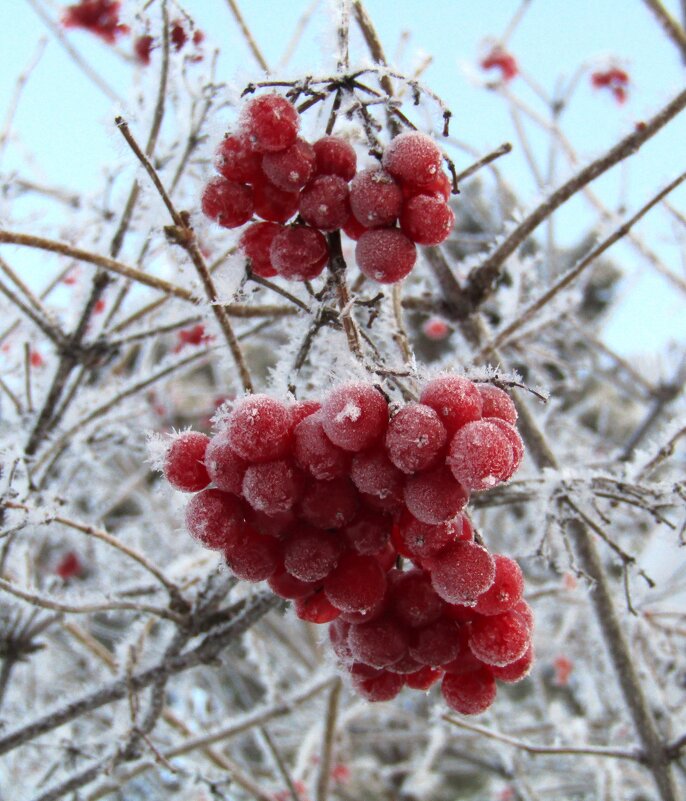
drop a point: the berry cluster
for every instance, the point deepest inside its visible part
(100, 17)
(614, 79)
(324, 501)
(267, 170)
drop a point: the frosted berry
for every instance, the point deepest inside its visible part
(385, 254)
(225, 467)
(329, 504)
(100, 17)
(373, 473)
(375, 198)
(142, 48)
(259, 429)
(335, 156)
(499, 639)
(316, 608)
(276, 525)
(237, 161)
(462, 572)
(214, 518)
(325, 203)
(177, 35)
(512, 437)
(369, 532)
(252, 556)
(354, 416)
(292, 168)
(434, 496)
(437, 643)
(426, 220)
(354, 229)
(480, 456)
(497, 403)
(270, 122)
(303, 409)
(441, 187)
(283, 584)
(413, 158)
(315, 452)
(228, 203)
(502, 60)
(469, 693)
(517, 670)
(379, 643)
(424, 678)
(413, 600)
(415, 437)
(405, 666)
(506, 590)
(299, 253)
(69, 566)
(274, 204)
(456, 400)
(413, 538)
(383, 687)
(272, 487)
(357, 584)
(311, 554)
(523, 609)
(255, 242)
(184, 463)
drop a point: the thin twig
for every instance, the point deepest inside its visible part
(327, 745)
(247, 35)
(669, 25)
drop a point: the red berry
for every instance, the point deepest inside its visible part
(413, 158)
(462, 572)
(142, 47)
(329, 504)
(316, 608)
(255, 242)
(252, 556)
(366, 615)
(405, 666)
(512, 437)
(184, 463)
(354, 229)
(311, 554)
(225, 467)
(272, 203)
(469, 693)
(214, 518)
(315, 452)
(259, 429)
(413, 600)
(375, 197)
(385, 254)
(272, 487)
(69, 566)
(178, 35)
(383, 687)
(270, 122)
(480, 456)
(497, 403)
(434, 496)
(499, 639)
(237, 161)
(325, 203)
(373, 473)
(523, 609)
(303, 409)
(100, 17)
(354, 416)
(426, 220)
(292, 168)
(456, 400)
(424, 678)
(299, 253)
(273, 525)
(357, 584)
(386, 557)
(415, 437)
(379, 643)
(502, 60)
(285, 585)
(436, 329)
(517, 670)
(335, 156)
(369, 533)
(416, 539)
(228, 203)
(437, 643)
(441, 187)
(506, 590)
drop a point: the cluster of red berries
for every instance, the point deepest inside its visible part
(100, 17)
(324, 500)
(614, 79)
(178, 36)
(267, 170)
(500, 59)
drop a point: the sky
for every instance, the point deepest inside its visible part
(66, 133)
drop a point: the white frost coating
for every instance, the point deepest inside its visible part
(351, 411)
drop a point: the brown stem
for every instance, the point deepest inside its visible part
(337, 269)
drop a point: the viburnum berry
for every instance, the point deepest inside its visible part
(375, 197)
(255, 242)
(456, 400)
(424, 678)
(69, 566)
(274, 204)
(237, 161)
(354, 416)
(512, 437)
(214, 518)
(383, 687)
(436, 643)
(385, 254)
(270, 122)
(480, 456)
(329, 504)
(436, 329)
(224, 466)
(441, 188)
(142, 48)
(272, 487)
(499, 639)
(413, 158)
(373, 473)
(100, 17)
(178, 35)
(497, 403)
(413, 600)
(228, 203)
(354, 229)
(259, 429)
(292, 168)
(413, 538)
(414, 438)
(462, 572)
(387, 557)
(426, 220)
(184, 463)
(405, 666)
(335, 156)
(302, 409)
(315, 452)
(252, 556)
(285, 585)
(500, 59)
(469, 693)
(311, 554)
(434, 496)
(357, 584)
(299, 253)
(338, 637)
(325, 203)
(316, 608)
(276, 525)
(523, 609)
(379, 643)
(506, 590)
(368, 534)
(517, 670)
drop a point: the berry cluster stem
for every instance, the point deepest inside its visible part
(337, 268)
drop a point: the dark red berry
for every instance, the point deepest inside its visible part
(299, 253)
(283, 584)
(383, 687)
(272, 487)
(354, 229)
(424, 678)
(228, 203)
(373, 473)
(329, 504)
(252, 556)
(354, 416)
(214, 518)
(325, 203)
(426, 220)
(413, 538)
(462, 572)
(499, 639)
(292, 168)
(335, 156)
(255, 242)
(69, 566)
(517, 670)
(506, 590)
(316, 608)
(142, 47)
(100, 17)
(469, 693)
(413, 158)
(259, 429)
(385, 254)
(315, 452)
(272, 203)
(375, 198)
(311, 554)
(270, 122)
(357, 584)
(225, 467)
(456, 400)
(434, 496)
(437, 643)
(415, 437)
(184, 463)
(413, 600)
(237, 161)
(369, 532)
(497, 403)
(480, 456)
(379, 643)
